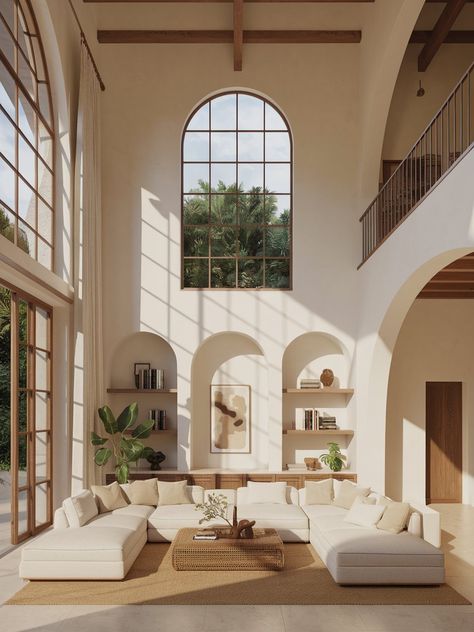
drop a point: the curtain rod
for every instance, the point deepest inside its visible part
(84, 39)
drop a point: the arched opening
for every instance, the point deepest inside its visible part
(232, 359)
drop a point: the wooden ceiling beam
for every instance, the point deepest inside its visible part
(238, 33)
(453, 37)
(449, 286)
(429, 294)
(439, 33)
(227, 37)
(223, 1)
(457, 277)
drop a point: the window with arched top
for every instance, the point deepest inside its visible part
(26, 135)
(236, 195)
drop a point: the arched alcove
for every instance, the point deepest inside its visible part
(306, 357)
(147, 348)
(230, 358)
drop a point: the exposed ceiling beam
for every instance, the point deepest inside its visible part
(430, 294)
(238, 33)
(453, 37)
(438, 35)
(220, 1)
(227, 37)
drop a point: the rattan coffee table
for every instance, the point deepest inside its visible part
(261, 553)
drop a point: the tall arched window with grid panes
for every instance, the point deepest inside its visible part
(26, 135)
(236, 195)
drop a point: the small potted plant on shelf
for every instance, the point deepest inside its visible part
(125, 449)
(334, 458)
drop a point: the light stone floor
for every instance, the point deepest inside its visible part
(458, 527)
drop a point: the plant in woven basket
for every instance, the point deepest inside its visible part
(214, 507)
(334, 458)
(125, 449)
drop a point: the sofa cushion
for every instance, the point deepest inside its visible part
(394, 517)
(319, 492)
(143, 492)
(80, 509)
(108, 497)
(364, 515)
(268, 493)
(121, 521)
(173, 493)
(175, 517)
(274, 516)
(348, 492)
(371, 547)
(142, 511)
(314, 512)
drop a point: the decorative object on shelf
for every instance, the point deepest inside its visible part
(138, 370)
(310, 383)
(327, 377)
(334, 458)
(154, 458)
(230, 418)
(327, 422)
(216, 506)
(125, 450)
(312, 463)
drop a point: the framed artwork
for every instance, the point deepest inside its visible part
(230, 418)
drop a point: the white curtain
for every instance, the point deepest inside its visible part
(89, 259)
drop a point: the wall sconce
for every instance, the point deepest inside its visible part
(420, 91)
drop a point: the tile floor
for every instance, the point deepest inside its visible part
(458, 543)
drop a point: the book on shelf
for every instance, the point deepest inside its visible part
(295, 466)
(159, 417)
(153, 379)
(310, 383)
(306, 418)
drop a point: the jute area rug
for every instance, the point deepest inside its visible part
(152, 580)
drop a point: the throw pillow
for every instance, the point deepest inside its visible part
(266, 493)
(80, 509)
(384, 500)
(364, 515)
(108, 497)
(348, 492)
(173, 493)
(364, 500)
(319, 492)
(414, 524)
(143, 492)
(394, 518)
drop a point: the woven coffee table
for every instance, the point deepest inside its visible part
(262, 553)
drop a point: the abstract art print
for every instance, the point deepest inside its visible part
(230, 418)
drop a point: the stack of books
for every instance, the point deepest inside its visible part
(295, 466)
(310, 383)
(207, 534)
(327, 423)
(306, 419)
(159, 417)
(150, 379)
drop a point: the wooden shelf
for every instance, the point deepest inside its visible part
(148, 391)
(319, 391)
(157, 432)
(348, 433)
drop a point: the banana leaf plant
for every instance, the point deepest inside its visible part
(123, 441)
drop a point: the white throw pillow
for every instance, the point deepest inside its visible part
(347, 493)
(319, 492)
(265, 493)
(108, 497)
(395, 517)
(414, 524)
(173, 493)
(364, 500)
(80, 509)
(364, 515)
(143, 492)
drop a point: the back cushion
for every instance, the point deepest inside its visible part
(108, 497)
(80, 509)
(319, 492)
(143, 492)
(267, 493)
(347, 493)
(173, 493)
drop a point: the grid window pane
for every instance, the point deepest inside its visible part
(45, 254)
(42, 411)
(26, 161)
(240, 191)
(45, 183)
(42, 503)
(26, 203)
(7, 184)
(41, 455)
(26, 118)
(6, 41)
(7, 91)
(42, 370)
(26, 239)
(7, 138)
(45, 221)
(22, 512)
(7, 223)
(45, 145)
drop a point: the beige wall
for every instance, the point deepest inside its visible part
(436, 343)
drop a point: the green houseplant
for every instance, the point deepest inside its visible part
(125, 449)
(334, 458)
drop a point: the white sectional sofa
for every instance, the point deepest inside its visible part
(106, 545)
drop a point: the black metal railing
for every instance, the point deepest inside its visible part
(446, 139)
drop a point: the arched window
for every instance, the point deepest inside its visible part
(236, 195)
(26, 134)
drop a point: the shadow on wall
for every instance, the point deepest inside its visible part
(236, 359)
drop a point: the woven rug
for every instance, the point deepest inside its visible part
(152, 580)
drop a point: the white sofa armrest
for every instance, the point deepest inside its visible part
(430, 523)
(60, 520)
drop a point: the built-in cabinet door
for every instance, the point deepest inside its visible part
(443, 442)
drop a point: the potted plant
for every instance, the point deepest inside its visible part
(125, 449)
(334, 458)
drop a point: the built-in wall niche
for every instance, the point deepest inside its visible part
(148, 348)
(305, 358)
(229, 358)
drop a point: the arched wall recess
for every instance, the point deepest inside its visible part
(145, 347)
(229, 358)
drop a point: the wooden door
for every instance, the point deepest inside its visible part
(443, 442)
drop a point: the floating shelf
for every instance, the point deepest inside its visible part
(348, 433)
(319, 391)
(157, 432)
(148, 391)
